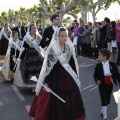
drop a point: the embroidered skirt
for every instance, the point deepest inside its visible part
(31, 65)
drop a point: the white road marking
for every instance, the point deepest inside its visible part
(1, 81)
(85, 65)
(1, 104)
(82, 65)
(28, 109)
(87, 87)
(94, 88)
(20, 96)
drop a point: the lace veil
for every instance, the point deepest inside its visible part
(55, 41)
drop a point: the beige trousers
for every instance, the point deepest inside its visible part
(109, 46)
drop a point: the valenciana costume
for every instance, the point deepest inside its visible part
(29, 62)
(8, 66)
(4, 40)
(60, 72)
(108, 73)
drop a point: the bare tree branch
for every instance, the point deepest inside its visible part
(72, 13)
(99, 2)
(118, 2)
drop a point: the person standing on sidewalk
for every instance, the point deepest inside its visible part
(118, 41)
(80, 31)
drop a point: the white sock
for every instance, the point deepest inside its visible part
(104, 111)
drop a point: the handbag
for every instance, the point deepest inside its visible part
(114, 44)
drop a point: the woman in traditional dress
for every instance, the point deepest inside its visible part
(30, 59)
(11, 56)
(60, 73)
(4, 39)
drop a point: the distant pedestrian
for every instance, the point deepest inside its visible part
(75, 36)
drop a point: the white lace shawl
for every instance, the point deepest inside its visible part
(6, 65)
(54, 54)
(6, 34)
(33, 43)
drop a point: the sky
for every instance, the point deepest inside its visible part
(5, 5)
(113, 12)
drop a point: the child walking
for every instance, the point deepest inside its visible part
(106, 73)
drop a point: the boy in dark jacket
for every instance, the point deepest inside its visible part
(106, 73)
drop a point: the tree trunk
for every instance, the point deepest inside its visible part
(43, 21)
(94, 17)
(74, 15)
(44, 12)
(31, 18)
(16, 21)
(84, 16)
(10, 24)
(118, 2)
(61, 17)
(84, 13)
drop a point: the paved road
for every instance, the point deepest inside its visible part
(15, 102)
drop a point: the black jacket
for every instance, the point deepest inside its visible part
(23, 31)
(103, 31)
(47, 35)
(99, 73)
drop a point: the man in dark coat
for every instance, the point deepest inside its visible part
(105, 32)
(21, 30)
(87, 35)
(47, 35)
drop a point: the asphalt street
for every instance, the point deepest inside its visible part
(15, 102)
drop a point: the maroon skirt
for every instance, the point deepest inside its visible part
(40, 108)
(46, 106)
